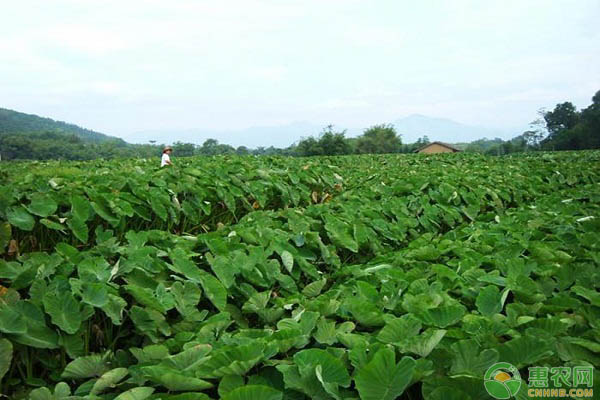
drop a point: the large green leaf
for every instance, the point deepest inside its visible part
(444, 316)
(187, 296)
(228, 383)
(41, 394)
(19, 217)
(42, 205)
(254, 392)
(64, 310)
(184, 266)
(340, 233)
(6, 352)
(145, 297)
(95, 294)
(469, 360)
(231, 360)
(11, 320)
(382, 378)
(38, 336)
(150, 354)
(74, 345)
(79, 229)
(157, 205)
(214, 290)
(525, 350)
(173, 380)
(37, 333)
(52, 225)
(326, 333)
(314, 289)
(109, 380)
(316, 373)
(333, 370)
(591, 295)
(94, 269)
(489, 301)
(365, 313)
(223, 268)
(149, 322)
(106, 213)
(114, 308)
(288, 260)
(189, 359)
(62, 391)
(288, 338)
(397, 330)
(422, 344)
(80, 208)
(86, 367)
(139, 393)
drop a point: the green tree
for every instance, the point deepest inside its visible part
(379, 139)
(242, 151)
(309, 147)
(329, 143)
(210, 147)
(184, 149)
(564, 116)
(572, 130)
(334, 143)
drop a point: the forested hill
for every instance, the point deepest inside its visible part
(14, 122)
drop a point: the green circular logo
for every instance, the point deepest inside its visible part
(502, 380)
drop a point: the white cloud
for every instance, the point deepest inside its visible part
(194, 63)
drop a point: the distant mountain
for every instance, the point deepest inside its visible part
(253, 137)
(444, 130)
(14, 122)
(411, 128)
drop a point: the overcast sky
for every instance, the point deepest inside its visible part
(125, 66)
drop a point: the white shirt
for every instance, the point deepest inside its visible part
(165, 159)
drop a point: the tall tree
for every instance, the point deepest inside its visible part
(564, 116)
(334, 143)
(379, 139)
(329, 143)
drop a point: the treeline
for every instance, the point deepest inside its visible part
(378, 139)
(569, 129)
(57, 145)
(67, 146)
(563, 128)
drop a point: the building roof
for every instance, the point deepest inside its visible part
(438, 143)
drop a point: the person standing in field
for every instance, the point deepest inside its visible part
(166, 156)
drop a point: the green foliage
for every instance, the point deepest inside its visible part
(564, 116)
(368, 276)
(563, 128)
(329, 143)
(6, 354)
(16, 122)
(379, 139)
(570, 129)
(382, 378)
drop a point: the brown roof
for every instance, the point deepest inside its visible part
(438, 143)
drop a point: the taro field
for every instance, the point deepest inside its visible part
(243, 278)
